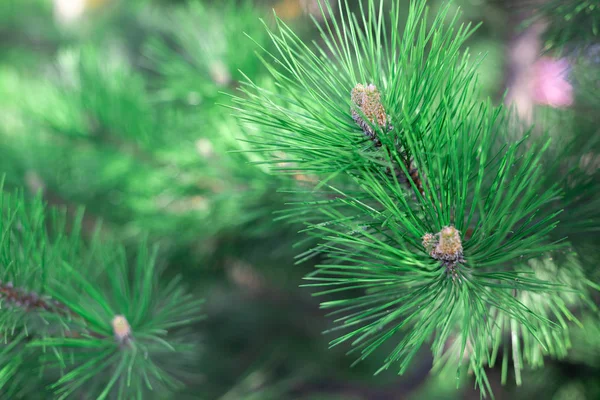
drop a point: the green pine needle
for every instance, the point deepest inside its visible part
(384, 284)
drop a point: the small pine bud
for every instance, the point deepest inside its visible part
(450, 245)
(445, 246)
(368, 100)
(121, 328)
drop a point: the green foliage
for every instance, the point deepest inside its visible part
(96, 121)
(571, 23)
(572, 160)
(118, 111)
(371, 223)
(94, 117)
(23, 23)
(59, 296)
(156, 312)
(199, 55)
(576, 376)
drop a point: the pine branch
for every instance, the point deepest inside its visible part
(61, 317)
(412, 97)
(30, 301)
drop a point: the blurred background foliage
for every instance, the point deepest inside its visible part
(118, 106)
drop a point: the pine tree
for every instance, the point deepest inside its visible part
(419, 212)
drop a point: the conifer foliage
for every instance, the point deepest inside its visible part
(431, 224)
(75, 317)
(451, 261)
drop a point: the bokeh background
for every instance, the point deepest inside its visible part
(122, 107)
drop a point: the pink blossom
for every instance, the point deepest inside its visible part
(550, 86)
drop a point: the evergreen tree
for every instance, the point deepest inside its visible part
(221, 158)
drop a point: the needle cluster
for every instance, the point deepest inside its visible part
(442, 149)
